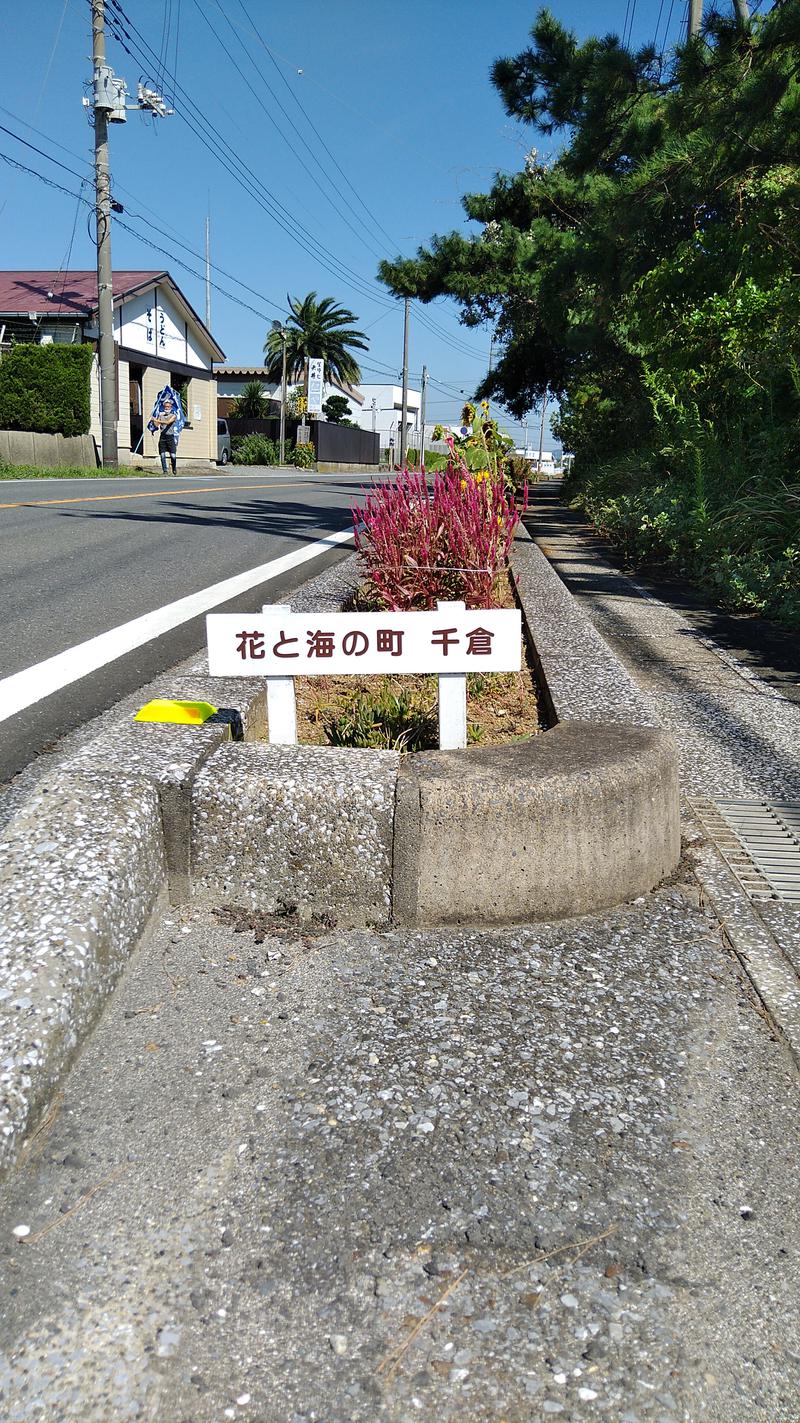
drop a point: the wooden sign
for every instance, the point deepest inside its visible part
(450, 640)
(280, 645)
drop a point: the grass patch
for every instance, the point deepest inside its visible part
(400, 714)
(31, 471)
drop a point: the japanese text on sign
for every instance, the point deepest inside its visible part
(316, 369)
(295, 644)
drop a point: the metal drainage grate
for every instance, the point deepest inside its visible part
(759, 841)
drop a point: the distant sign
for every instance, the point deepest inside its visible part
(316, 377)
(316, 645)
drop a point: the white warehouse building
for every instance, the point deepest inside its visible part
(382, 411)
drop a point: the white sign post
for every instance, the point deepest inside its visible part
(449, 643)
(316, 376)
(281, 700)
(452, 689)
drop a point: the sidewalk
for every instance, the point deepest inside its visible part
(451, 1176)
(728, 688)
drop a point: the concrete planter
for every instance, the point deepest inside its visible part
(581, 817)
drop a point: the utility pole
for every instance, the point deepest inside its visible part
(208, 272)
(108, 104)
(103, 105)
(405, 385)
(422, 418)
(283, 396)
(695, 18)
(541, 433)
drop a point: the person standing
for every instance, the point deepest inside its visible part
(167, 420)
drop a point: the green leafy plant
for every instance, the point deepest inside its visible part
(336, 410)
(315, 328)
(646, 276)
(303, 455)
(254, 449)
(388, 720)
(46, 389)
(251, 404)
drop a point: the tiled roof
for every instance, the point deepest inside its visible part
(63, 293)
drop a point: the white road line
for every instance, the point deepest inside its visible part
(23, 689)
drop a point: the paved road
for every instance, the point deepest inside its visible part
(80, 557)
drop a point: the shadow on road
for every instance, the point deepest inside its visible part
(258, 516)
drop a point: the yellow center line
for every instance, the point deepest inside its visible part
(151, 494)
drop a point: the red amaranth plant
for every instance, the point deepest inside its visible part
(420, 545)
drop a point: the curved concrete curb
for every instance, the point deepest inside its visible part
(572, 821)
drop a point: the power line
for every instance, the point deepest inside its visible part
(220, 41)
(657, 28)
(374, 367)
(376, 224)
(250, 181)
(80, 176)
(70, 193)
(203, 129)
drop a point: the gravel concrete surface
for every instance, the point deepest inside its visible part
(303, 1176)
(444, 1175)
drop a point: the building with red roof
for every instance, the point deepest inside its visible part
(160, 340)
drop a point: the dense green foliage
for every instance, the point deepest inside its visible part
(36, 471)
(648, 277)
(46, 389)
(383, 718)
(254, 449)
(303, 455)
(315, 329)
(336, 410)
(251, 404)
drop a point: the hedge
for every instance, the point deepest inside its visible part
(46, 389)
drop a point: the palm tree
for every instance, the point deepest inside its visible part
(251, 402)
(315, 328)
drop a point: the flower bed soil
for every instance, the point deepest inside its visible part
(501, 706)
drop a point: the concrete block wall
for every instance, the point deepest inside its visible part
(47, 451)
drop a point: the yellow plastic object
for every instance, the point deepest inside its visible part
(180, 713)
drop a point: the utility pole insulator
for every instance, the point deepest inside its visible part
(151, 100)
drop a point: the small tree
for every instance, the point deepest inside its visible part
(251, 404)
(336, 409)
(296, 403)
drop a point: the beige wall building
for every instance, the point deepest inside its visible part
(160, 341)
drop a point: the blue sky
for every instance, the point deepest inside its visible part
(398, 95)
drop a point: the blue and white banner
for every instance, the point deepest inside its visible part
(167, 402)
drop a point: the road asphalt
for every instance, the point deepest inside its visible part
(80, 557)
